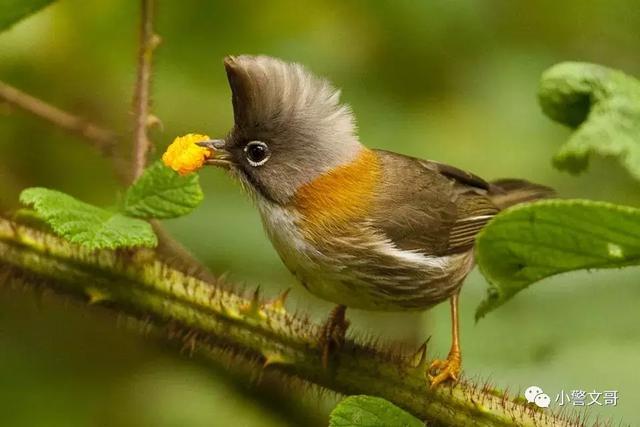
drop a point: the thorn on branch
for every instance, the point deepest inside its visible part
(419, 359)
(252, 310)
(277, 304)
(154, 121)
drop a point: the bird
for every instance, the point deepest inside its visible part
(360, 227)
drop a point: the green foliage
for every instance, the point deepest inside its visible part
(12, 11)
(162, 193)
(530, 242)
(603, 105)
(158, 194)
(86, 224)
(370, 411)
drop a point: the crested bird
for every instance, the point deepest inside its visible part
(360, 227)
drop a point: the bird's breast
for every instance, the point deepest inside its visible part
(339, 196)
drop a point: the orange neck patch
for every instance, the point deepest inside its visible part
(341, 194)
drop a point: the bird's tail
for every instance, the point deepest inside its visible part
(509, 192)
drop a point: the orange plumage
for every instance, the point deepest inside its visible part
(342, 194)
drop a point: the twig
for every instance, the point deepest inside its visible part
(169, 249)
(102, 139)
(148, 42)
(255, 333)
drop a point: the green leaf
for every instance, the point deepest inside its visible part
(527, 243)
(602, 105)
(370, 411)
(86, 224)
(162, 193)
(12, 11)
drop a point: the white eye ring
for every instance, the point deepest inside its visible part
(257, 153)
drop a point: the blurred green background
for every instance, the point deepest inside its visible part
(449, 80)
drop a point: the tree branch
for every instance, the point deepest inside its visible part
(102, 139)
(259, 334)
(148, 42)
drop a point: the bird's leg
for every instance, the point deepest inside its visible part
(448, 369)
(333, 332)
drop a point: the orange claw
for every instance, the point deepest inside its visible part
(184, 156)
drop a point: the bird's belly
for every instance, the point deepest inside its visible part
(373, 280)
(366, 289)
(395, 288)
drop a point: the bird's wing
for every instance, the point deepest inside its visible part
(430, 207)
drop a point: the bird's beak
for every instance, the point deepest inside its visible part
(221, 157)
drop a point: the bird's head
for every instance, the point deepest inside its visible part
(290, 127)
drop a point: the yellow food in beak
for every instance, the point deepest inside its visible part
(184, 156)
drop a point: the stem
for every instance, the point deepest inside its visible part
(256, 333)
(148, 42)
(102, 139)
(169, 249)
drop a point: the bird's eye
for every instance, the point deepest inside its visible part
(257, 153)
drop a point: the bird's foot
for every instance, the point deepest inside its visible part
(445, 370)
(332, 333)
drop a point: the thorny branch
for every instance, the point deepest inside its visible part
(259, 333)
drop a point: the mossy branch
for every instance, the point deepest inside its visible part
(259, 332)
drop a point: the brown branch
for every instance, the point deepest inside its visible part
(102, 139)
(170, 250)
(148, 42)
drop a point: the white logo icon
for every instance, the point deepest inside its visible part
(531, 393)
(542, 400)
(534, 394)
